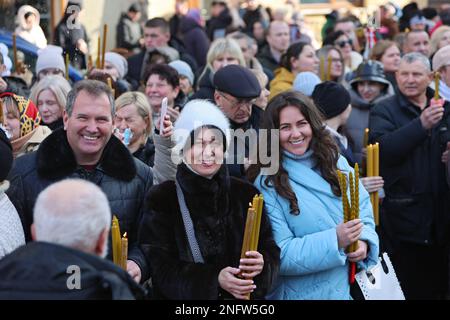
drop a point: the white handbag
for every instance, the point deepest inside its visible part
(376, 284)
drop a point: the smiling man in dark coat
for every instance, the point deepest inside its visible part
(87, 149)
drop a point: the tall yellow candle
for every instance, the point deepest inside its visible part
(329, 68)
(376, 172)
(366, 138)
(67, 66)
(124, 252)
(322, 68)
(105, 34)
(116, 242)
(352, 196)
(248, 232)
(437, 78)
(99, 52)
(16, 61)
(258, 222)
(369, 172)
(90, 62)
(355, 245)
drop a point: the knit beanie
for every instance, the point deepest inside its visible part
(183, 69)
(6, 158)
(119, 62)
(305, 82)
(198, 113)
(50, 57)
(331, 98)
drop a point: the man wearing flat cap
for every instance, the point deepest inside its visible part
(236, 90)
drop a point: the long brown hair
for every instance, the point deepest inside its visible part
(325, 150)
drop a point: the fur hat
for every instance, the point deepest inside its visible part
(198, 113)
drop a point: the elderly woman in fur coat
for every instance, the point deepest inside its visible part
(204, 261)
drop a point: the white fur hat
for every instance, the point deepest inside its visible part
(198, 113)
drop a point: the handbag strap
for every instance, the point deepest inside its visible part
(188, 226)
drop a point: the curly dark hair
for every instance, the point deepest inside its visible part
(325, 150)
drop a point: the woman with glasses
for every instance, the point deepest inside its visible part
(331, 54)
(299, 57)
(344, 44)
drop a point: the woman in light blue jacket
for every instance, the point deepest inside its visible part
(304, 203)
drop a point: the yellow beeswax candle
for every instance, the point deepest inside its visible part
(67, 66)
(116, 242)
(124, 252)
(99, 52)
(105, 34)
(437, 78)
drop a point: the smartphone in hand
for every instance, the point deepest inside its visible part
(164, 107)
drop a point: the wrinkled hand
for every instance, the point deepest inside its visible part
(252, 265)
(431, 116)
(372, 184)
(134, 271)
(446, 155)
(360, 254)
(229, 282)
(348, 232)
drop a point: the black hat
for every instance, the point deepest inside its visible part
(370, 70)
(331, 98)
(6, 156)
(237, 81)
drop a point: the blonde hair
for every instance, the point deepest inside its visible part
(261, 76)
(139, 100)
(58, 85)
(436, 38)
(220, 47)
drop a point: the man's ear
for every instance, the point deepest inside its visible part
(33, 232)
(101, 247)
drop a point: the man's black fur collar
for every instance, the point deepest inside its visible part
(55, 158)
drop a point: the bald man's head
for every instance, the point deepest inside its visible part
(278, 36)
(73, 213)
(417, 41)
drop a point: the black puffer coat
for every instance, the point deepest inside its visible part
(218, 210)
(41, 271)
(123, 179)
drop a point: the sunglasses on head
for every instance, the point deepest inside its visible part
(343, 43)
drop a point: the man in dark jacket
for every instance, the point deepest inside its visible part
(412, 128)
(236, 90)
(129, 31)
(156, 35)
(87, 149)
(72, 220)
(278, 42)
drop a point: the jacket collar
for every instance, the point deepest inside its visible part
(55, 158)
(405, 103)
(192, 183)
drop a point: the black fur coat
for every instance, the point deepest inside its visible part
(218, 209)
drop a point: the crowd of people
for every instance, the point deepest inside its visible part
(188, 121)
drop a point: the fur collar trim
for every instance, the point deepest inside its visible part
(55, 158)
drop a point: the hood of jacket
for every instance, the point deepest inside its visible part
(21, 16)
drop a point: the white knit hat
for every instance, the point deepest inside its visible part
(198, 113)
(305, 82)
(50, 57)
(119, 62)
